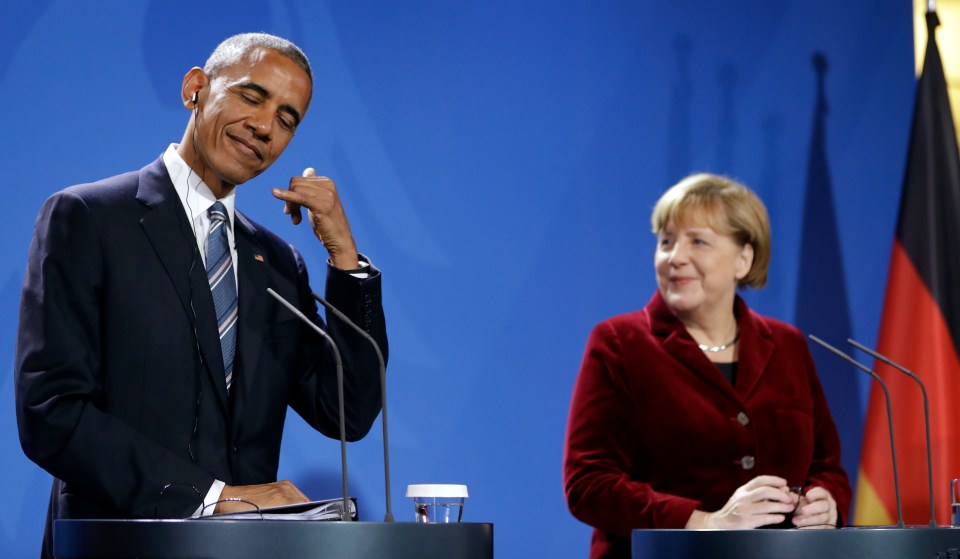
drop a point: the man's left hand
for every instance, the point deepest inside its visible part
(325, 213)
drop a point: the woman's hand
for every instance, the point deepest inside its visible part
(761, 501)
(817, 510)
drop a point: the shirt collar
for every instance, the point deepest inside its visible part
(195, 196)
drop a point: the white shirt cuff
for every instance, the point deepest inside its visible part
(209, 502)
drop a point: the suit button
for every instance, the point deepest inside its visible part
(748, 462)
(742, 419)
(234, 449)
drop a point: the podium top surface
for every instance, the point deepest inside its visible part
(855, 543)
(290, 539)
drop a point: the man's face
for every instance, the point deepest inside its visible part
(246, 119)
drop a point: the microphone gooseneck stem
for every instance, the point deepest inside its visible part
(926, 416)
(886, 393)
(345, 513)
(388, 517)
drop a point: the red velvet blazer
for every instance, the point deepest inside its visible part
(656, 431)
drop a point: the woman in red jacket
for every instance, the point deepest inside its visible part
(696, 412)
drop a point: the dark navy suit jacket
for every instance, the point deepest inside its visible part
(119, 375)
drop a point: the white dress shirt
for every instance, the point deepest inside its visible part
(197, 198)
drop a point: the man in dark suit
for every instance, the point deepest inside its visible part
(153, 371)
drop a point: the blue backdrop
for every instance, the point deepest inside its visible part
(498, 161)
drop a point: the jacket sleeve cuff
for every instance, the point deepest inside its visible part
(365, 270)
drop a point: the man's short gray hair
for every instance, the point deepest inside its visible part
(234, 48)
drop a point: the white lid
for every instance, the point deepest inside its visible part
(437, 490)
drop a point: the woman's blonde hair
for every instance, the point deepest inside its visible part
(727, 207)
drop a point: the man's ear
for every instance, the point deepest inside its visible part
(194, 82)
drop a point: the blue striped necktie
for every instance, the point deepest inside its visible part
(223, 285)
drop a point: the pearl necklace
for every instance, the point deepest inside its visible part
(719, 348)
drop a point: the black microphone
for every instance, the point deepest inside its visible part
(388, 517)
(886, 393)
(926, 415)
(345, 513)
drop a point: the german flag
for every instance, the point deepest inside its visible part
(920, 328)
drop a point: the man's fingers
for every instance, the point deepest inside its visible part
(292, 203)
(311, 183)
(309, 192)
(290, 196)
(317, 195)
(263, 495)
(292, 490)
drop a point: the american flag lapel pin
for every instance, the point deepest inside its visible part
(258, 257)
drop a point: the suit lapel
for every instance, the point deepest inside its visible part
(681, 346)
(756, 347)
(167, 227)
(252, 278)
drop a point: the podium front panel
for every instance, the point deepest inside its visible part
(260, 539)
(852, 543)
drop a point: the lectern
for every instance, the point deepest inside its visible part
(261, 539)
(852, 543)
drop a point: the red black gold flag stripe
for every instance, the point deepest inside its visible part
(920, 327)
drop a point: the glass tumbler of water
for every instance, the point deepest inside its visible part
(955, 501)
(438, 504)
